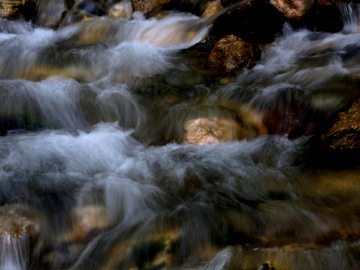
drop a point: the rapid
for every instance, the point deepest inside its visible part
(95, 172)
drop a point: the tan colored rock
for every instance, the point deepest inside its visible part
(121, 10)
(293, 9)
(86, 220)
(145, 6)
(212, 8)
(14, 221)
(345, 131)
(204, 131)
(231, 52)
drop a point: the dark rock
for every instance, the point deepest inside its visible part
(256, 20)
(95, 7)
(205, 45)
(293, 119)
(231, 52)
(324, 18)
(345, 131)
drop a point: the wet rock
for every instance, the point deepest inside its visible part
(212, 8)
(121, 10)
(16, 8)
(95, 7)
(326, 18)
(85, 221)
(52, 13)
(205, 45)
(14, 221)
(257, 21)
(293, 118)
(145, 6)
(210, 131)
(345, 131)
(293, 9)
(213, 130)
(231, 52)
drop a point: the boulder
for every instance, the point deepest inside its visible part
(293, 9)
(231, 52)
(257, 21)
(212, 8)
(345, 131)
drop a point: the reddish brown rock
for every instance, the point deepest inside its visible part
(345, 131)
(293, 9)
(231, 52)
(145, 6)
(293, 119)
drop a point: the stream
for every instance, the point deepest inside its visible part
(95, 171)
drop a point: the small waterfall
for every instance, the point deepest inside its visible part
(14, 254)
(351, 17)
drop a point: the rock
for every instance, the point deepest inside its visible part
(16, 8)
(14, 221)
(95, 7)
(19, 235)
(326, 18)
(51, 14)
(231, 52)
(293, 119)
(213, 130)
(293, 9)
(210, 131)
(145, 6)
(121, 10)
(345, 131)
(257, 21)
(205, 45)
(212, 8)
(86, 220)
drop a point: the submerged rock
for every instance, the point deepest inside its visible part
(293, 9)
(85, 221)
(293, 119)
(345, 131)
(231, 52)
(52, 13)
(256, 21)
(212, 8)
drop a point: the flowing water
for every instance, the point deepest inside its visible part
(93, 155)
